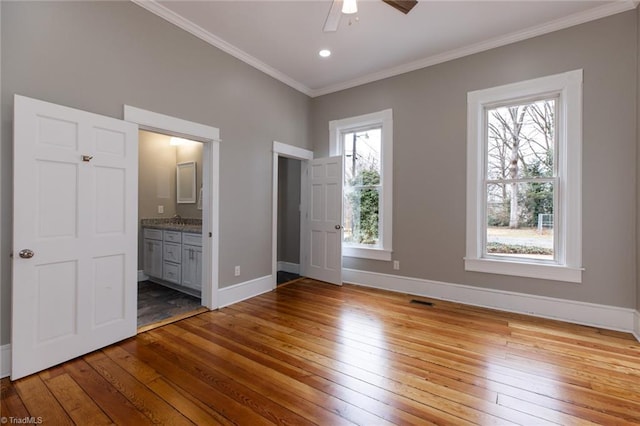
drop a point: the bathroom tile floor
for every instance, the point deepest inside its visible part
(157, 303)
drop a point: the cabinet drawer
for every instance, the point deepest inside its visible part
(192, 239)
(171, 272)
(172, 252)
(173, 236)
(153, 234)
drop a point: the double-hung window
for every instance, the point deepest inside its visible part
(366, 146)
(524, 178)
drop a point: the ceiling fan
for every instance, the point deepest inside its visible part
(347, 7)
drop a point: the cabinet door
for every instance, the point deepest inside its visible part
(192, 267)
(153, 258)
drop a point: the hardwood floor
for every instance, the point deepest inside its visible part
(312, 353)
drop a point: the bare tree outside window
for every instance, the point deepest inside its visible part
(520, 179)
(362, 186)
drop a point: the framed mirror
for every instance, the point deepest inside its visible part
(186, 182)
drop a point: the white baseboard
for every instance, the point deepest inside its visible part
(5, 361)
(142, 276)
(603, 316)
(293, 268)
(243, 291)
(636, 325)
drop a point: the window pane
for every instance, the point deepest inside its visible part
(362, 157)
(523, 227)
(361, 215)
(521, 140)
(362, 181)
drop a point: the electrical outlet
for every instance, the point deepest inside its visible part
(160, 209)
(396, 265)
(237, 271)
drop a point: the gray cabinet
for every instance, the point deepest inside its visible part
(174, 258)
(152, 257)
(192, 261)
(171, 267)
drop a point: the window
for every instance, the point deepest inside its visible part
(524, 179)
(366, 146)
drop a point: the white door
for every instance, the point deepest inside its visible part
(323, 260)
(74, 233)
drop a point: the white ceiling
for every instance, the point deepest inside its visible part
(282, 38)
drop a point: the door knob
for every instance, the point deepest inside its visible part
(26, 254)
(338, 227)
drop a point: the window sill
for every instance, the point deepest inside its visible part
(522, 269)
(366, 253)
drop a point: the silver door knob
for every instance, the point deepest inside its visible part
(338, 227)
(26, 254)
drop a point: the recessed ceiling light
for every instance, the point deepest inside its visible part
(349, 7)
(325, 53)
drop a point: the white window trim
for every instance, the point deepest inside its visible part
(569, 217)
(384, 118)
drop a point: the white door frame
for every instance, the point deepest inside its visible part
(210, 137)
(296, 153)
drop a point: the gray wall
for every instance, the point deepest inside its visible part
(156, 176)
(429, 111)
(289, 210)
(97, 56)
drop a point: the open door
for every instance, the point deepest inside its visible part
(323, 239)
(74, 234)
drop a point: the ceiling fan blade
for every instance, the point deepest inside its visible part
(403, 6)
(333, 18)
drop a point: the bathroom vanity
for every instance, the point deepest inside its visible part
(172, 254)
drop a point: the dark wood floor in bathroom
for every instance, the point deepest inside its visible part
(157, 303)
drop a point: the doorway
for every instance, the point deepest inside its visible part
(170, 188)
(201, 248)
(288, 208)
(289, 190)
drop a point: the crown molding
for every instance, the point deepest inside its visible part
(578, 18)
(168, 15)
(559, 24)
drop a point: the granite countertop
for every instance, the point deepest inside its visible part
(180, 225)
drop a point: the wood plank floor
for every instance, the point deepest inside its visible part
(310, 353)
